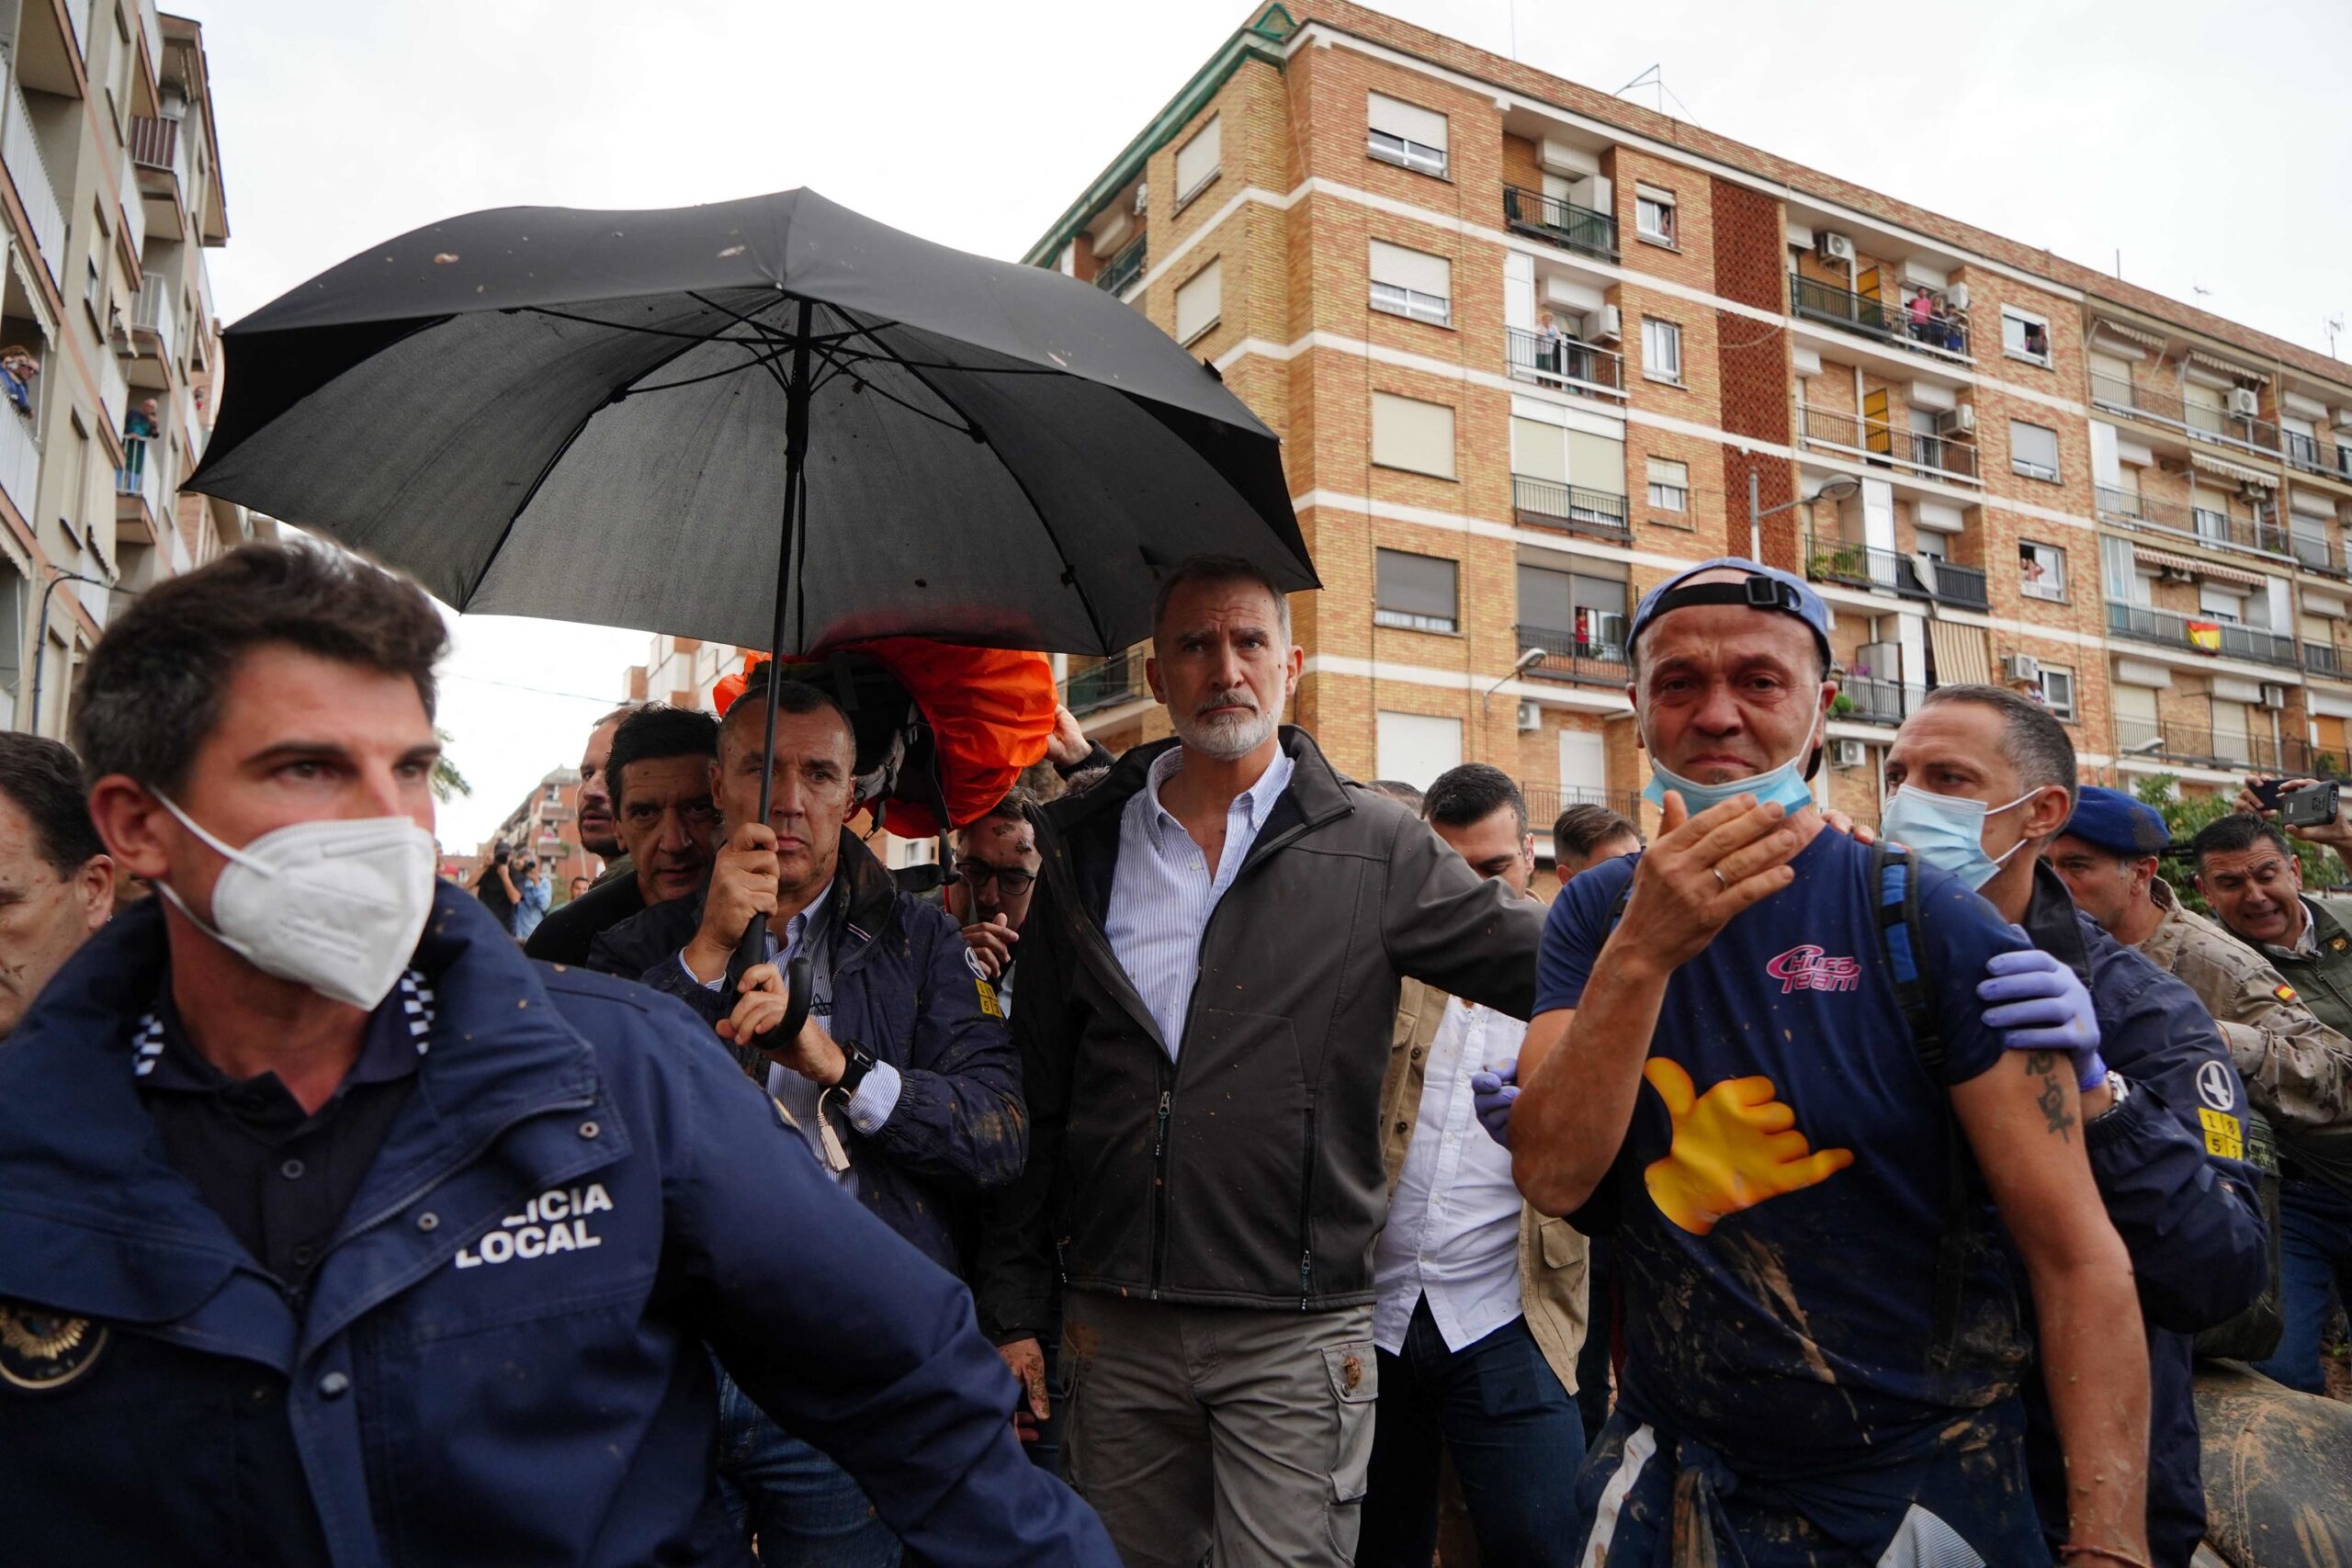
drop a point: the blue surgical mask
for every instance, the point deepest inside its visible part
(1784, 783)
(1946, 831)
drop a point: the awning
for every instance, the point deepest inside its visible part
(2237, 472)
(2149, 340)
(2210, 571)
(1963, 658)
(2226, 369)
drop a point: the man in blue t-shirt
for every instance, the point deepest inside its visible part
(1823, 1339)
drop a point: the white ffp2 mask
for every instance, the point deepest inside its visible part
(337, 906)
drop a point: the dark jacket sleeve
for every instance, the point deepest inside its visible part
(1013, 1274)
(2190, 1218)
(959, 1113)
(1446, 926)
(669, 976)
(851, 1338)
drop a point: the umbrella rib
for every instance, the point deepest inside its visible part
(760, 362)
(1069, 572)
(631, 327)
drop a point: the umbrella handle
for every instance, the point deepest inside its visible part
(799, 987)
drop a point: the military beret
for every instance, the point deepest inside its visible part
(2117, 823)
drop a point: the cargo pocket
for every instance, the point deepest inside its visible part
(1355, 1388)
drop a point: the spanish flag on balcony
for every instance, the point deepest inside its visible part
(2205, 635)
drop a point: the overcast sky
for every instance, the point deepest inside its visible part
(2208, 144)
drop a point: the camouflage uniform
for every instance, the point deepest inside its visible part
(2298, 1069)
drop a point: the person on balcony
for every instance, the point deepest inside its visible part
(1925, 326)
(1552, 348)
(18, 369)
(138, 429)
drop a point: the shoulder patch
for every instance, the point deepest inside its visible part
(41, 1351)
(989, 1008)
(2285, 992)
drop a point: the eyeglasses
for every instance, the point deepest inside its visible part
(1010, 880)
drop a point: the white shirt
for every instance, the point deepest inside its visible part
(1162, 891)
(2306, 942)
(1453, 1231)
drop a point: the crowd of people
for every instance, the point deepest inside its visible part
(1783, 1192)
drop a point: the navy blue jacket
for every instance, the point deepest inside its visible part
(906, 987)
(2192, 1221)
(453, 1387)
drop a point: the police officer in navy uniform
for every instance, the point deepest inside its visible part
(333, 1229)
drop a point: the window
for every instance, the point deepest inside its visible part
(1410, 434)
(1661, 350)
(2135, 716)
(2025, 336)
(1412, 283)
(2058, 691)
(1406, 134)
(1415, 748)
(1196, 162)
(1654, 214)
(1669, 485)
(93, 288)
(2042, 571)
(2218, 603)
(1569, 613)
(1416, 593)
(2033, 450)
(1198, 300)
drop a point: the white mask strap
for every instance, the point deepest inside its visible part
(225, 852)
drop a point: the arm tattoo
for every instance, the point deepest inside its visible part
(2052, 1098)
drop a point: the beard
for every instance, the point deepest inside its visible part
(1226, 738)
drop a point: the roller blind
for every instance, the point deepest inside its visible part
(1199, 301)
(1410, 434)
(1417, 270)
(1595, 462)
(1410, 121)
(1417, 585)
(1415, 748)
(1196, 160)
(1538, 450)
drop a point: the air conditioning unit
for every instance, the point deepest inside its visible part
(1832, 247)
(2273, 696)
(1608, 325)
(2175, 574)
(1848, 754)
(2021, 667)
(2245, 403)
(1957, 297)
(1959, 420)
(1531, 717)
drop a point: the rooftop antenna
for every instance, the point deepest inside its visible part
(2201, 290)
(2334, 325)
(1656, 77)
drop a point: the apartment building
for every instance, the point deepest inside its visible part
(109, 345)
(1532, 348)
(545, 827)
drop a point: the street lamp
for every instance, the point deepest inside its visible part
(1528, 659)
(1836, 489)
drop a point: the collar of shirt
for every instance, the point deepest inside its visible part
(2307, 939)
(167, 1061)
(1255, 803)
(799, 929)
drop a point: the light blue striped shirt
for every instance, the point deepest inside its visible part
(1162, 892)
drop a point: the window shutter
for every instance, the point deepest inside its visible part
(1415, 748)
(1418, 585)
(2033, 443)
(1664, 471)
(1410, 434)
(1200, 300)
(1595, 462)
(1197, 160)
(1544, 599)
(1538, 451)
(1417, 270)
(1411, 121)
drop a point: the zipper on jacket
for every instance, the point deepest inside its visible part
(1307, 1219)
(1159, 1189)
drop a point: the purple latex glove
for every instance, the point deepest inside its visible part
(2039, 1004)
(1492, 1094)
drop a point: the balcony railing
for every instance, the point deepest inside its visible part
(155, 144)
(1863, 566)
(2177, 740)
(2202, 524)
(1106, 686)
(1124, 268)
(145, 480)
(19, 459)
(1541, 503)
(152, 313)
(2200, 422)
(134, 211)
(2198, 634)
(20, 151)
(1874, 441)
(1546, 801)
(1939, 330)
(2316, 553)
(1562, 223)
(2302, 452)
(1567, 657)
(2320, 658)
(1564, 362)
(1866, 699)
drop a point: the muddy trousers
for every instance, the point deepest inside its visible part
(1228, 1435)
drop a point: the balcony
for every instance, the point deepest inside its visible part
(2199, 421)
(19, 460)
(1872, 441)
(1107, 685)
(2197, 634)
(1567, 657)
(153, 332)
(1565, 364)
(1562, 223)
(133, 234)
(143, 485)
(2302, 452)
(1545, 802)
(1542, 503)
(1939, 331)
(1124, 268)
(1865, 699)
(20, 151)
(2217, 530)
(2320, 658)
(2314, 553)
(1861, 566)
(2202, 745)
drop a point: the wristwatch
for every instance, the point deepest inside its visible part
(2121, 1087)
(858, 1061)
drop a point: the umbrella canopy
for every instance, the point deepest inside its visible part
(609, 416)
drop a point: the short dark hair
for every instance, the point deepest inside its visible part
(2032, 737)
(790, 696)
(151, 691)
(1013, 808)
(1216, 568)
(1471, 793)
(43, 779)
(1582, 829)
(2234, 834)
(655, 731)
(1403, 794)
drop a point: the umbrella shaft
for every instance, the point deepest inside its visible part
(796, 449)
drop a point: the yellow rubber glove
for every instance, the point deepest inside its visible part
(1734, 1146)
